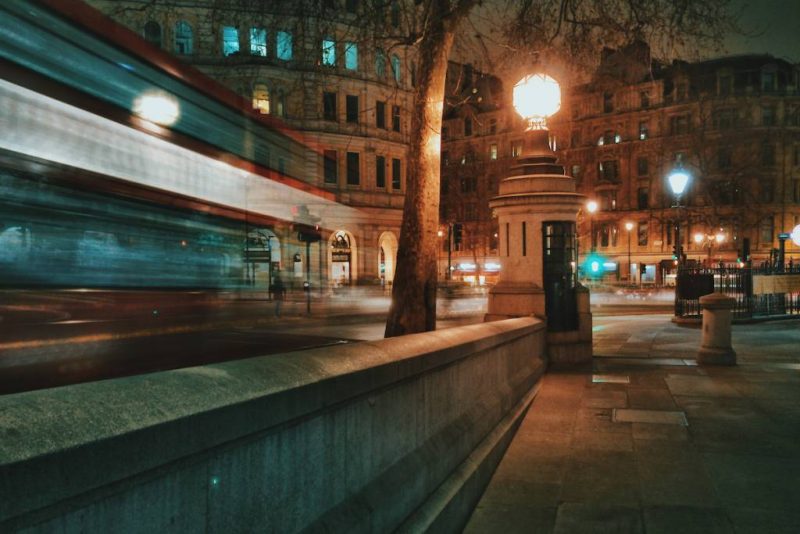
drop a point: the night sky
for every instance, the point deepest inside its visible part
(777, 25)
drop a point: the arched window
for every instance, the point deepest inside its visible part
(261, 98)
(152, 33)
(396, 68)
(183, 38)
(380, 63)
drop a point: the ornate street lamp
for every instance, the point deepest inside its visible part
(678, 179)
(536, 97)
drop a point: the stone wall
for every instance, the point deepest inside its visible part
(398, 434)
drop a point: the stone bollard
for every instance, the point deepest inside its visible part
(715, 347)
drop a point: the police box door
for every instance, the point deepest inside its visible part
(559, 264)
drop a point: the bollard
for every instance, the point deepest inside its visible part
(715, 347)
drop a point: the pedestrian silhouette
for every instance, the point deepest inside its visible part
(278, 292)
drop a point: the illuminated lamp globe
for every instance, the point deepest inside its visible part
(536, 97)
(796, 235)
(678, 179)
(591, 206)
(699, 238)
(629, 226)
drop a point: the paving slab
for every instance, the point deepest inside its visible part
(597, 456)
(579, 518)
(686, 520)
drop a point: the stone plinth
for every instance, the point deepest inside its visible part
(535, 194)
(715, 347)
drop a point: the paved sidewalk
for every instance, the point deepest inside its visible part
(677, 449)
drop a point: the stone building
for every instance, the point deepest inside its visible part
(733, 123)
(312, 67)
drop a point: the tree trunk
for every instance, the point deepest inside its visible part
(413, 307)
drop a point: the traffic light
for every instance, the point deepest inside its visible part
(457, 235)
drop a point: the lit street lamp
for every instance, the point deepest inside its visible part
(629, 227)
(678, 179)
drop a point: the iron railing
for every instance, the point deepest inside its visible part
(694, 282)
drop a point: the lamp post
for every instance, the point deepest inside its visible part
(678, 179)
(629, 227)
(591, 207)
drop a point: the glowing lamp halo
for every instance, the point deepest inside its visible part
(537, 96)
(796, 235)
(678, 180)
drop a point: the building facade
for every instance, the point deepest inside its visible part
(313, 67)
(732, 123)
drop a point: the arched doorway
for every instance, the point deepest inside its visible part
(387, 257)
(343, 258)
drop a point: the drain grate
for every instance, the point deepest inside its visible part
(627, 415)
(611, 379)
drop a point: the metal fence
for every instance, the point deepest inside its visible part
(738, 283)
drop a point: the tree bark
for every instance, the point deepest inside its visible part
(413, 307)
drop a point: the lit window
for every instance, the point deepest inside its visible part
(350, 56)
(258, 42)
(493, 151)
(284, 46)
(617, 138)
(380, 63)
(230, 40)
(644, 128)
(152, 33)
(328, 52)
(396, 68)
(183, 38)
(516, 149)
(261, 98)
